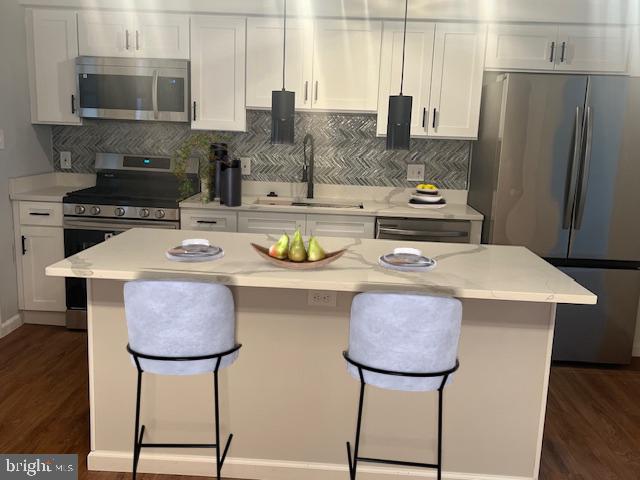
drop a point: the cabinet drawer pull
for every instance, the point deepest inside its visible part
(208, 222)
(24, 245)
(40, 214)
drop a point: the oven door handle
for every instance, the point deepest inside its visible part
(154, 94)
(121, 226)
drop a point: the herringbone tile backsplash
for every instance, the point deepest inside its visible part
(347, 149)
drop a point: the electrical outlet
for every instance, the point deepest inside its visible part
(245, 165)
(65, 160)
(1, 139)
(321, 298)
(415, 172)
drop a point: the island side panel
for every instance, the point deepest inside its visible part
(289, 400)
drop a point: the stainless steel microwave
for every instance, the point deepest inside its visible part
(133, 88)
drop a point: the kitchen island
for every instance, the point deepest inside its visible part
(289, 400)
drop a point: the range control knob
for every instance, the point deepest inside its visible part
(159, 213)
(79, 209)
(95, 210)
(144, 212)
(119, 211)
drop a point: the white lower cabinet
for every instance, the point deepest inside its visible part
(352, 226)
(271, 222)
(208, 220)
(38, 248)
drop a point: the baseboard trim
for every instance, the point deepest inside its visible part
(10, 325)
(256, 469)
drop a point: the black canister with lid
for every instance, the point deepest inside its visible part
(231, 183)
(218, 153)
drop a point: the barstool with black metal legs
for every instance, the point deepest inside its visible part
(402, 341)
(180, 327)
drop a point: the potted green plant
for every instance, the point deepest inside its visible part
(196, 146)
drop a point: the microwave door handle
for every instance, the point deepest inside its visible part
(573, 172)
(584, 180)
(154, 94)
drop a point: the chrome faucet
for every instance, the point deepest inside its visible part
(307, 168)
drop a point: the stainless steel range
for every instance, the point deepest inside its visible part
(130, 191)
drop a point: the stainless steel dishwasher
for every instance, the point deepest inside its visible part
(423, 230)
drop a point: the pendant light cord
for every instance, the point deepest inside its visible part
(284, 43)
(404, 43)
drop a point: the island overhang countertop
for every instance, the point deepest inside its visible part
(463, 270)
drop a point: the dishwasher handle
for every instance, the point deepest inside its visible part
(422, 233)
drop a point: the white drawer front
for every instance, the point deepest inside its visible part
(209, 220)
(340, 226)
(41, 213)
(270, 223)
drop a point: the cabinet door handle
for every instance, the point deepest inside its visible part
(194, 110)
(316, 90)
(126, 39)
(553, 51)
(73, 103)
(563, 51)
(208, 222)
(433, 120)
(137, 40)
(24, 245)
(40, 214)
(306, 90)
(424, 116)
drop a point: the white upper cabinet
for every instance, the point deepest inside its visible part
(346, 61)
(218, 73)
(125, 34)
(456, 82)
(264, 60)
(161, 35)
(417, 72)
(52, 48)
(521, 47)
(105, 34)
(592, 49)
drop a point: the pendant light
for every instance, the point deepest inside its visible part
(283, 102)
(399, 116)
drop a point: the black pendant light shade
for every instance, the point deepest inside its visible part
(282, 116)
(399, 116)
(283, 103)
(399, 122)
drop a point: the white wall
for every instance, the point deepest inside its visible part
(27, 147)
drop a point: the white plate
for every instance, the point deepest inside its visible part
(426, 198)
(427, 205)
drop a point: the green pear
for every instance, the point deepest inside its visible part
(315, 250)
(280, 249)
(297, 253)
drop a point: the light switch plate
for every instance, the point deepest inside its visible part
(415, 172)
(1, 139)
(245, 165)
(65, 160)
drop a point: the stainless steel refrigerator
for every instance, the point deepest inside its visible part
(556, 169)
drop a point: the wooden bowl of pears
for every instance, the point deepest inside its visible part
(292, 253)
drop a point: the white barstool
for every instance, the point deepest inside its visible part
(402, 341)
(180, 327)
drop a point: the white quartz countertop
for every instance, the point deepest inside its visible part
(464, 271)
(451, 211)
(48, 187)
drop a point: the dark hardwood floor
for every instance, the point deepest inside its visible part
(592, 430)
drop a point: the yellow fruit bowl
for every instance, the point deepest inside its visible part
(306, 265)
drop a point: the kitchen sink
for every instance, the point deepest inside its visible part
(304, 202)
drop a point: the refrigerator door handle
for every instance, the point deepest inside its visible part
(573, 172)
(585, 169)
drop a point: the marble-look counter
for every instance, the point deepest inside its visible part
(370, 207)
(48, 187)
(288, 399)
(464, 271)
